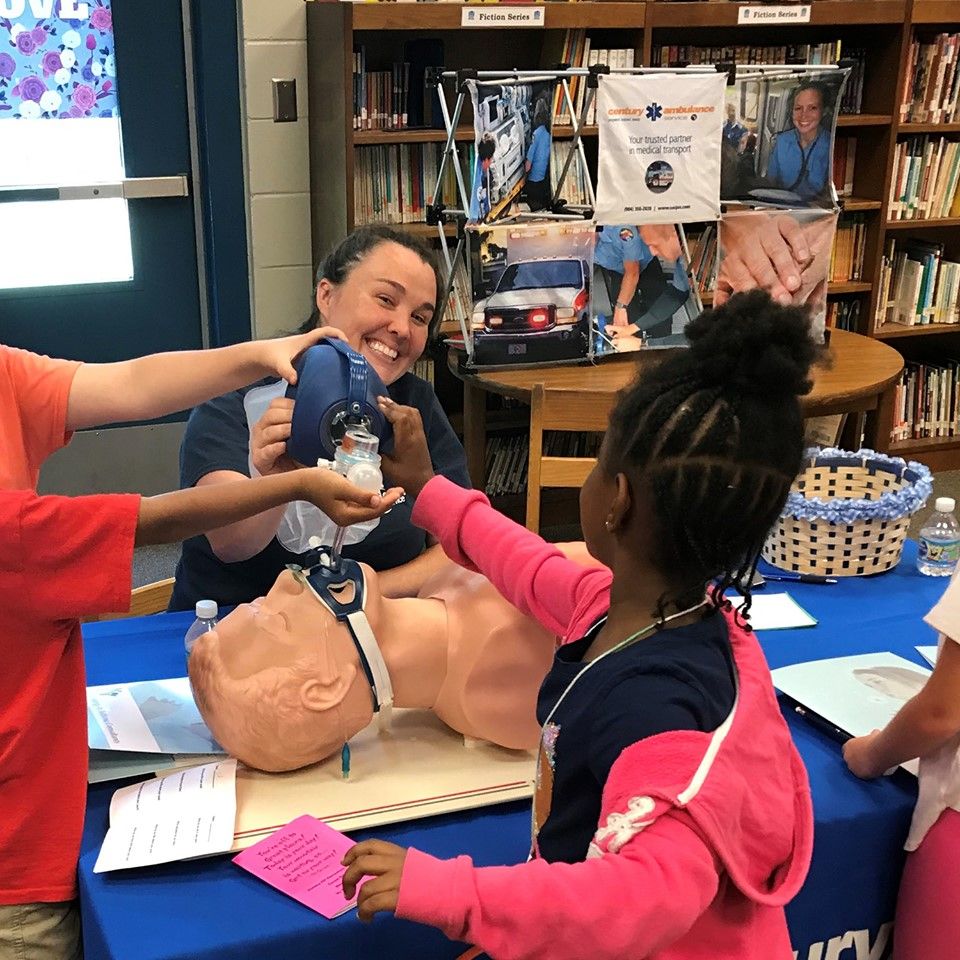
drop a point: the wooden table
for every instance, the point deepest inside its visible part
(859, 380)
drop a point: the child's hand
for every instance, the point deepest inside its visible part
(276, 357)
(858, 754)
(340, 500)
(409, 465)
(384, 863)
(268, 439)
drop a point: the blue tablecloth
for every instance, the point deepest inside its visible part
(210, 908)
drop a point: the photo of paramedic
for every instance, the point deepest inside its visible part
(512, 139)
(644, 276)
(486, 148)
(801, 159)
(538, 159)
(380, 288)
(733, 129)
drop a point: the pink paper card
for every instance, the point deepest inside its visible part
(302, 860)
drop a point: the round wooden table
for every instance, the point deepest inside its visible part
(859, 379)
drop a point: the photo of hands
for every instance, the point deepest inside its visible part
(785, 252)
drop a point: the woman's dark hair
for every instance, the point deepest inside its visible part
(715, 433)
(337, 265)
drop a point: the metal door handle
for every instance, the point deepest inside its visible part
(133, 188)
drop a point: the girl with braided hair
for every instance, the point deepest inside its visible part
(672, 814)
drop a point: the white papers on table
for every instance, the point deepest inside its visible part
(187, 813)
(775, 611)
(150, 716)
(929, 654)
(857, 694)
(105, 765)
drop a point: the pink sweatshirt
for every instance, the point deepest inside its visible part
(702, 837)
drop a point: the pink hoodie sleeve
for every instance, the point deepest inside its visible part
(632, 903)
(532, 574)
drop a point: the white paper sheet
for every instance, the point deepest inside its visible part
(857, 694)
(776, 611)
(188, 813)
(929, 654)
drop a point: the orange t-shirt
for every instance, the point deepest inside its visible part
(33, 413)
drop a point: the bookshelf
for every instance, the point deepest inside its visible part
(884, 29)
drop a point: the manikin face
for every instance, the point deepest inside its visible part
(279, 682)
(384, 307)
(807, 113)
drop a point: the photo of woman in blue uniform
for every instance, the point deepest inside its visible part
(777, 145)
(801, 157)
(538, 159)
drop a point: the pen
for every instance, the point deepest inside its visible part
(798, 577)
(345, 761)
(824, 726)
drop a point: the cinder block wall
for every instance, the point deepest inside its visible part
(274, 44)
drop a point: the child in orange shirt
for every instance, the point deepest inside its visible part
(62, 558)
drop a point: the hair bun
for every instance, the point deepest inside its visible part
(753, 345)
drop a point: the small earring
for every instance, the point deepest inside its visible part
(609, 525)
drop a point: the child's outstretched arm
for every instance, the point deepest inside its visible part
(923, 724)
(169, 517)
(67, 557)
(529, 572)
(163, 383)
(632, 903)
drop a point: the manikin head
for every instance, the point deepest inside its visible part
(279, 683)
(281, 686)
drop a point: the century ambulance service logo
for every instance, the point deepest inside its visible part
(656, 111)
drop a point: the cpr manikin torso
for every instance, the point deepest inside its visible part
(280, 682)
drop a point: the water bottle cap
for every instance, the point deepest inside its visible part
(206, 609)
(945, 504)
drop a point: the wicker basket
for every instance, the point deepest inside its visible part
(847, 514)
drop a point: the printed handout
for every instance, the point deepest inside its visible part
(188, 813)
(149, 716)
(857, 694)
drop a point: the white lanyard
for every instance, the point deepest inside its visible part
(622, 645)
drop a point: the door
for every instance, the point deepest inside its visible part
(98, 234)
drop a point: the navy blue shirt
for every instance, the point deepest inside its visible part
(676, 679)
(218, 438)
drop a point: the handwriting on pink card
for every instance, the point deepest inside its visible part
(302, 860)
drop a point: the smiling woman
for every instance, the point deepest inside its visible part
(378, 290)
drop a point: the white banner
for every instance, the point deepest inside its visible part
(659, 153)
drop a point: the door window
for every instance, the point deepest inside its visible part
(60, 128)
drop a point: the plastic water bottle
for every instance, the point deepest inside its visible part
(939, 547)
(206, 620)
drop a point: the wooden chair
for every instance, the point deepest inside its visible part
(569, 410)
(150, 598)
